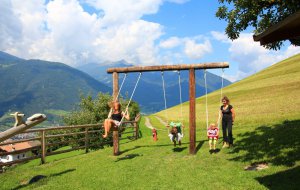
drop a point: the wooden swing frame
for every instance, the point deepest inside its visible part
(192, 92)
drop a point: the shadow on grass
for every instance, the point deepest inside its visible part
(199, 146)
(179, 149)
(278, 144)
(37, 178)
(130, 149)
(128, 157)
(176, 149)
(288, 179)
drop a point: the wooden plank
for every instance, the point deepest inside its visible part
(63, 135)
(169, 67)
(64, 151)
(116, 150)
(136, 125)
(69, 127)
(19, 151)
(95, 131)
(63, 127)
(43, 144)
(19, 141)
(192, 116)
(127, 132)
(86, 142)
(128, 138)
(64, 142)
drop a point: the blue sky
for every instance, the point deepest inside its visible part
(141, 32)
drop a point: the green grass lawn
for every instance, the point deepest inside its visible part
(266, 130)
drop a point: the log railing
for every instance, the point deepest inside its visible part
(77, 136)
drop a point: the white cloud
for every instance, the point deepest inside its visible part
(10, 26)
(119, 12)
(220, 36)
(187, 48)
(250, 56)
(128, 42)
(171, 42)
(63, 31)
(195, 50)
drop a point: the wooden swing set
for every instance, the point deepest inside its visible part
(192, 92)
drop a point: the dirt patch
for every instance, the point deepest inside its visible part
(257, 166)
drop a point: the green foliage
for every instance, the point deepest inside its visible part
(259, 14)
(91, 111)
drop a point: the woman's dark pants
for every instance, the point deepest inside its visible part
(227, 127)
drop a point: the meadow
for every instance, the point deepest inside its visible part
(267, 129)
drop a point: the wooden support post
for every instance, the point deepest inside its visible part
(86, 140)
(136, 125)
(43, 146)
(115, 131)
(136, 130)
(192, 118)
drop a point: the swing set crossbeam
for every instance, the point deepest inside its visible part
(169, 67)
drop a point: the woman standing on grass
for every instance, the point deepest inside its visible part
(228, 116)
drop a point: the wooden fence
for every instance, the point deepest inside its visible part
(84, 136)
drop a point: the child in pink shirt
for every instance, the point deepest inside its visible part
(213, 135)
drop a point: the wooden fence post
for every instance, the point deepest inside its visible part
(136, 125)
(43, 145)
(136, 130)
(86, 140)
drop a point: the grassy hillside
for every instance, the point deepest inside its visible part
(266, 130)
(269, 97)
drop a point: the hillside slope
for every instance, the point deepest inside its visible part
(272, 95)
(33, 86)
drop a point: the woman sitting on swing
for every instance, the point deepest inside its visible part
(176, 132)
(114, 117)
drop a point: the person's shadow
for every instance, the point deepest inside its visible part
(37, 178)
(128, 157)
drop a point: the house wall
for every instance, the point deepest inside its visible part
(10, 158)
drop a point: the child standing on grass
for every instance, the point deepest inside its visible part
(213, 135)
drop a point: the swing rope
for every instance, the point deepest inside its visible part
(180, 97)
(206, 107)
(164, 91)
(126, 109)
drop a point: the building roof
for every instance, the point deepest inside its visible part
(289, 28)
(19, 146)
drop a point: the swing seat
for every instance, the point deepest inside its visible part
(212, 136)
